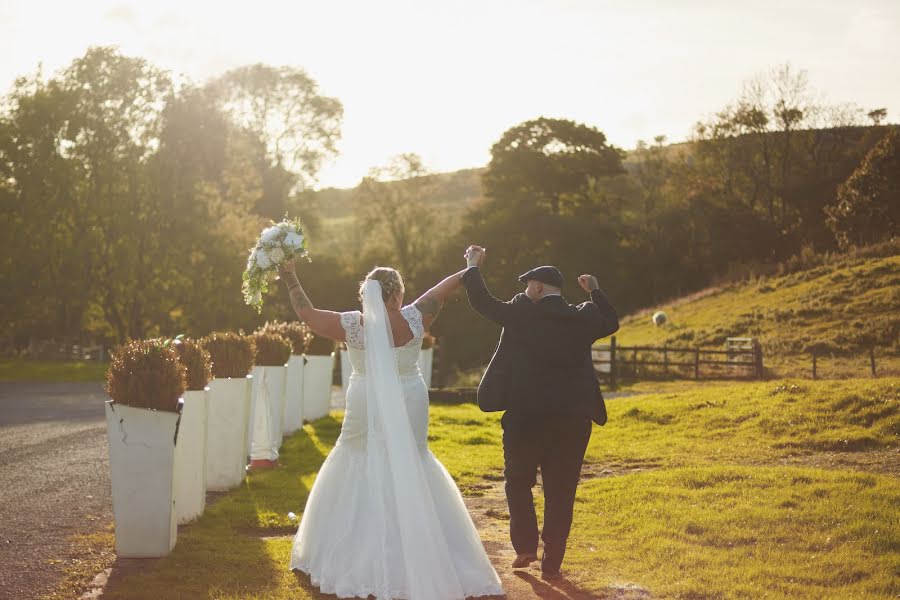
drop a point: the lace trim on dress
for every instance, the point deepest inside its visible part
(356, 334)
(356, 337)
(413, 316)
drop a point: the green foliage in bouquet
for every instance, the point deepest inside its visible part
(428, 341)
(272, 350)
(320, 346)
(232, 354)
(146, 374)
(297, 333)
(196, 360)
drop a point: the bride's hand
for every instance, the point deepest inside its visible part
(286, 268)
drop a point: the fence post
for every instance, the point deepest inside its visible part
(634, 365)
(757, 347)
(612, 362)
(696, 363)
(814, 364)
(665, 360)
(872, 359)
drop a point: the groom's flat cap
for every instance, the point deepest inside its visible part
(546, 274)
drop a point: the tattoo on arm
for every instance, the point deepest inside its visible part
(299, 300)
(429, 306)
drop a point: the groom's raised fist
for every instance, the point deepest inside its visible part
(474, 256)
(588, 283)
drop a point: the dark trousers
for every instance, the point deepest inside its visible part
(556, 445)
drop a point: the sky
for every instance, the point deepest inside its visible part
(445, 78)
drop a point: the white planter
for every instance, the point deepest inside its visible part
(190, 457)
(317, 386)
(293, 395)
(268, 411)
(346, 369)
(426, 360)
(227, 444)
(141, 465)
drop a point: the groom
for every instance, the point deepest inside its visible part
(542, 375)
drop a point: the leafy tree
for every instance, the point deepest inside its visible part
(296, 125)
(877, 115)
(868, 203)
(540, 161)
(395, 218)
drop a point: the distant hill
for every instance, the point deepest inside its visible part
(840, 307)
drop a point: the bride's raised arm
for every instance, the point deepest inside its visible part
(325, 323)
(431, 302)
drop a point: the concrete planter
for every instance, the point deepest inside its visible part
(141, 465)
(346, 369)
(190, 457)
(317, 386)
(293, 395)
(227, 444)
(426, 360)
(268, 412)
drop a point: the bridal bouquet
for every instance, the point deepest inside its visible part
(277, 244)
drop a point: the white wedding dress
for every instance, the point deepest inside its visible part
(384, 517)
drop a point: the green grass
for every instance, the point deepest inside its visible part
(17, 369)
(847, 304)
(733, 490)
(739, 532)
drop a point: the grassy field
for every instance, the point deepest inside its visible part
(781, 489)
(52, 371)
(849, 303)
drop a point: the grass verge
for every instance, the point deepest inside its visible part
(17, 369)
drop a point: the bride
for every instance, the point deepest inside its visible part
(384, 518)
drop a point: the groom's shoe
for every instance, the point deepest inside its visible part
(523, 560)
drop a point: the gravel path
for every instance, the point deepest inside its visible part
(54, 480)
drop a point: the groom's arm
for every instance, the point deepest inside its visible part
(603, 318)
(481, 299)
(607, 320)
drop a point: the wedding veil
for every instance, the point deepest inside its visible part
(395, 469)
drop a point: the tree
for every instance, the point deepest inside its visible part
(296, 125)
(877, 115)
(541, 161)
(868, 203)
(393, 206)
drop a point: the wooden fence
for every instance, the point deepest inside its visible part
(741, 358)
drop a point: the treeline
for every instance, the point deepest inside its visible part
(129, 200)
(122, 226)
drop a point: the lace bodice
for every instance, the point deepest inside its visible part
(407, 355)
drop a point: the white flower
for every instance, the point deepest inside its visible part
(262, 259)
(293, 240)
(257, 298)
(276, 255)
(270, 234)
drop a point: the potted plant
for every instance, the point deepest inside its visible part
(298, 334)
(145, 381)
(227, 443)
(317, 376)
(190, 449)
(267, 412)
(426, 358)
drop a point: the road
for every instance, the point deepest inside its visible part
(54, 479)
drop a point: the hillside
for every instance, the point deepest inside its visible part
(840, 308)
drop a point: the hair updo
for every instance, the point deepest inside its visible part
(390, 280)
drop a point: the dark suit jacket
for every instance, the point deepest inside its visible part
(542, 365)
